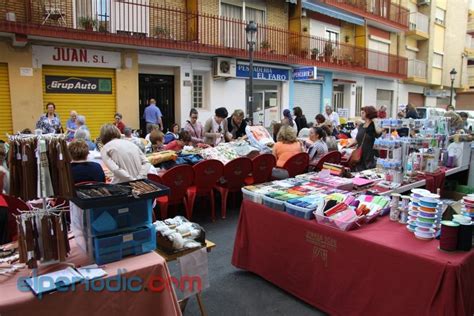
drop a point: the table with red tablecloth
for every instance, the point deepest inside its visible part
(150, 291)
(377, 269)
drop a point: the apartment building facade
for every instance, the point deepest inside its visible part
(99, 57)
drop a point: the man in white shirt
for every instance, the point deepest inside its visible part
(332, 116)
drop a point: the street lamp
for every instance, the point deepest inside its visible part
(453, 74)
(251, 30)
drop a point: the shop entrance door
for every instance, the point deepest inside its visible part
(266, 107)
(161, 88)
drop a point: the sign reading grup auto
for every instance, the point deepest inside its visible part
(78, 85)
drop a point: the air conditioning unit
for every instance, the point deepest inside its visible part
(225, 67)
(423, 2)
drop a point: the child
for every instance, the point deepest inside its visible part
(183, 140)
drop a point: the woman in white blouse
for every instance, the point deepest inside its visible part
(127, 163)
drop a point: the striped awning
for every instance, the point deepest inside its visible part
(332, 12)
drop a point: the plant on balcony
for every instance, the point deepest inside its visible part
(328, 50)
(265, 46)
(87, 23)
(348, 59)
(314, 53)
(161, 32)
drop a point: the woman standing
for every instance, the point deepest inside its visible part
(49, 123)
(71, 125)
(300, 119)
(236, 124)
(365, 138)
(288, 120)
(215, 129)
(119, 123)
(319, 147)
(127, 163)
(194, 128)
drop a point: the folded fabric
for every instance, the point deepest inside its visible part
(162, 156)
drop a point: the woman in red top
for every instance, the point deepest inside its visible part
(118, 122)
(178, 144)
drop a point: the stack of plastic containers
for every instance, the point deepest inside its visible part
(468, 209)
(424, 214)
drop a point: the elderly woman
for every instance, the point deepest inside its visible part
(81, 122)
(71, 125)
(81, 169)
(85, 135)
(216, 130)
(237, 124)
(287, 145)
(119, 123)
(49, 123)
(126, 162)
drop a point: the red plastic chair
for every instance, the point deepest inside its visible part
(14, 204)
(235, 173)
(262, 167)
(206, 174)
(331, 157)
(178, 179)
(297, 164)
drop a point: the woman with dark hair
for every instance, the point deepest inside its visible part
(288, 120)
(194, 128)
(365, 138)
(215, 129)
(178, 144)
(411, 112)
(172, 134)
(300, 119)
(49, 123)
(119, 123)
(126, 162)
(319, 147)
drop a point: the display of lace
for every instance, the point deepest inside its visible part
(42, 236)
(40, 166)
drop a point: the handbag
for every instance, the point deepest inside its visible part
(356, 155)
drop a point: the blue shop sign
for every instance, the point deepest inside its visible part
(263, 72)
(305, 73)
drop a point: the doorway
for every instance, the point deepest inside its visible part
(266, 105)
(161, 88)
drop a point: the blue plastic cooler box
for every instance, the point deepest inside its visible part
(115, 247)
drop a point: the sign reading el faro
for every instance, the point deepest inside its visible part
(74, 56)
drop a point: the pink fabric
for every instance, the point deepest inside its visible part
(378, 269)
(81, 302)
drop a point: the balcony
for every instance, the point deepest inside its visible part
(136, 23)
(419, 26)
(384, 12)
(470, 23)
(416, 71)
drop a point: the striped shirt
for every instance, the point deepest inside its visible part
(317, 150)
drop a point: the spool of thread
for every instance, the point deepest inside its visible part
(394, 211)
(448, 240)
(465, 237)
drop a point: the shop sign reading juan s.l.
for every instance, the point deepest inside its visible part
(75, 56)
(78, 85)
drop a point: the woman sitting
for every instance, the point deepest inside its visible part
(184, 139)
(84, 134)
(126, 162)
(156, 141)
(83, 170)
(172, 134)
(319, 148)
(287, 145)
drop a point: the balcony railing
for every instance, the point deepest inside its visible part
(416, 69)
(379, 9)
(419, 22)
(136, 22)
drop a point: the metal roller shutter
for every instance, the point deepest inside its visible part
(97, 108)
(6, 125)
(308, 98)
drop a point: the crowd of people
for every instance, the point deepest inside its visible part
(292, 135)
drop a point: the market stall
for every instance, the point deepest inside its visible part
(377, 269)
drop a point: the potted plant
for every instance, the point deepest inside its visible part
(314, 53)
(87, 23)
(265, 46)
(161, 32)
(348, 59)
(328, 50)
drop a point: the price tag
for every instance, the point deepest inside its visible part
(128, 237)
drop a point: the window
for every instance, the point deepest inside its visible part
(198, 91)
(440, 15)
(243, 12)
(332, 36)
(437, 60)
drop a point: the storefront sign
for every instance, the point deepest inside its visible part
(70, 56)
(436, 93)
(263, 72)
(78, 85)
(305, 73)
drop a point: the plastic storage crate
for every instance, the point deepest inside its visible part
(298, 211)
(252, 196)
(335, 223)
(115, 247)
(273, 203)
(107, 220)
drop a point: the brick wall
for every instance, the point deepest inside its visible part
(277, 13)
(209, 7)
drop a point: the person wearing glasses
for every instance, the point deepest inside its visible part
(215, 129)
(194, 128)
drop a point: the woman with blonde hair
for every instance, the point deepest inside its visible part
(127, 163)
(287, 145)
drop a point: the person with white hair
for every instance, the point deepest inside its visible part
(332, 116)
(128, 135)
(71, 125)
(81, 122)
(84, 134)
